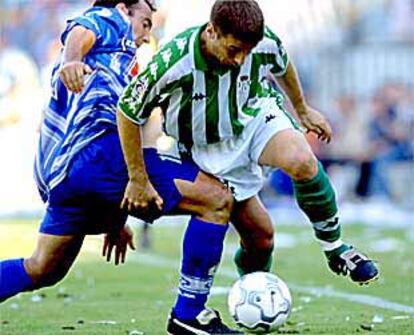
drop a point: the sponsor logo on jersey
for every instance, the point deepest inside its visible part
(198, 96)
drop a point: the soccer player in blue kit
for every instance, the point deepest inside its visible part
(80, 169)
(75, 168)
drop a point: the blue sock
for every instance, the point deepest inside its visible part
(13, 278)
(202, 249)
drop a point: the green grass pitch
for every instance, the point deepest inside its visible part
(135, 298)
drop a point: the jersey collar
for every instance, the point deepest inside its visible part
(199, 60)
(124, 16)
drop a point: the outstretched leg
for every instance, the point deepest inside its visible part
(315, 195)
(50, 262)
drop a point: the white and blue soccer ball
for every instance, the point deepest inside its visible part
(260, 302)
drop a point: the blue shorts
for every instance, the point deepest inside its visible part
(88, 200)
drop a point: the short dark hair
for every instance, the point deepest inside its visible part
(113, 3)
(241, 18)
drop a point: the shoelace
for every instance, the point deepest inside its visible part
(354, 258)
(343, 269)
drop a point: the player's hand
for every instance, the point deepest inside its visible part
(142, 201)
(120, 242)
(72, 75)
(315, 122)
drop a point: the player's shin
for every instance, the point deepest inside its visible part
(13, 278)
(316, 198)
(202, 249)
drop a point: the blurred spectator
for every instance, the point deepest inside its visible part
(402, 18)
(349, 123)
(20, 106)
(390, 138)
(183, 14)
(18, 82)
(32, 24)
(349, 145)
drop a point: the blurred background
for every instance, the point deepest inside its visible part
(356, 63)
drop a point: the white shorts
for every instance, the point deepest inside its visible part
(235, 161)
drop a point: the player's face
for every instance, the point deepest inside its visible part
(141, 20)
(227, 50)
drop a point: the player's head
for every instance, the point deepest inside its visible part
(235, 28)
(138, 11)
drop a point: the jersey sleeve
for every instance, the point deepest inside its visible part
(95, 21)
(142, 95)
(152, 86)
(274, 53)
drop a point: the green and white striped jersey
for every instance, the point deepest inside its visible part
(202, 105)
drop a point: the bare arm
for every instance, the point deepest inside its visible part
(140, 197)
(311, 119)
(79, 42)
(131, 141)
(290, 84)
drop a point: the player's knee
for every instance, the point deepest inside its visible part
(219, 205)
(45, 272)
(303, 166)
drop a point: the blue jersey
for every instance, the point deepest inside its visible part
(71, 121)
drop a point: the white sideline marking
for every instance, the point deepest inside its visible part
(158, 261)
(359, 298)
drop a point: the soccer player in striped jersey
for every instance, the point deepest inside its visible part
(212, 83)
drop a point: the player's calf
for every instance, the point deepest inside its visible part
(255, 228)
(52, 259)
(256, 250)
(44, 273)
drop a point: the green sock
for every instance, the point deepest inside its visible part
(317, 199)
(257, 261)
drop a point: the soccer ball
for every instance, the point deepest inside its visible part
(260, 302)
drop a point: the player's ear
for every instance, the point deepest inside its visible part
(211, 31)
(123, 8)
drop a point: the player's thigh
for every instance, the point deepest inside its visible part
(253, 223)
(204, 193)
(53, 254)
(185, 189)
(285, 149)
(87, 201)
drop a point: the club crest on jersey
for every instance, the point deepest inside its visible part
(243, 87)
(244, 83)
